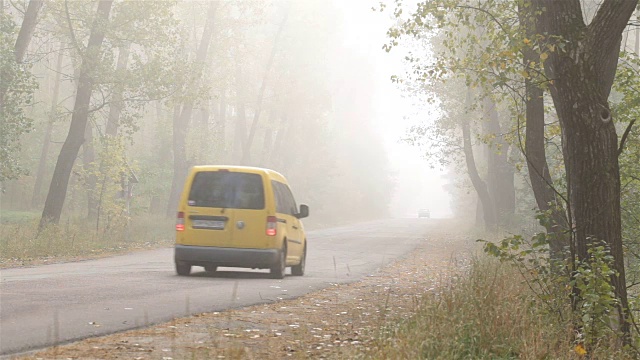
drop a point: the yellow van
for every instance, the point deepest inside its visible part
(239, 216)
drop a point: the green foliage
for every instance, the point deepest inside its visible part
(111, 173)
(597, 304)
(20, 84)
(587, 289)
(626, 108)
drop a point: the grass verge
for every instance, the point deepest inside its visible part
(487, 312)
(21, 245)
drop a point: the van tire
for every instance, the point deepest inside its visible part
(298, 270)
(278, 269)
(183, 269)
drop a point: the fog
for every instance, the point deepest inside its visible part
(419, 184)
(301, 87)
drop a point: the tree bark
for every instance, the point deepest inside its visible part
(116, 105)
(637, 44)
(181, 124)
(500, 177)
(479, 185)
(544, 193)
(60, 181)
(583, 74)
(90, 177)
(22, 43)
(42, 163)
(28, 27)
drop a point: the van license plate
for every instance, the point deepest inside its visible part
(208, 224)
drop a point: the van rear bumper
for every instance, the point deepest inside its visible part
(220, 256)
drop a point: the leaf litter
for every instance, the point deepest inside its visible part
(328, 323)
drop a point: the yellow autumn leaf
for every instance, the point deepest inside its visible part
(580, 350)
(544, 56)
(526, 41)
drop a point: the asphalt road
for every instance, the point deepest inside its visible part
(51, 304)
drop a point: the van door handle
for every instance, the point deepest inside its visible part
(295, 227)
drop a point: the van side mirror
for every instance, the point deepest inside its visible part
(304, 211)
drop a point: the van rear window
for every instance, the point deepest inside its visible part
(231, 190)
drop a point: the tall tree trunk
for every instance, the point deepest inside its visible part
(479, 185)
(28, 27)
(204, 131)
(637, 45)
(534, 149)
(276, 160)
(111, 132)
(500, 176)
(221, 123)
(60, 181)
(240, 128)
(582, 76)
(267, 144)
(91, 179)
(116, 106)
(178, 144)
(22, 43)
(181, 124)
(246, 148)
(42, 163)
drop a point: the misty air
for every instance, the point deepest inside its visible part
(319, 179)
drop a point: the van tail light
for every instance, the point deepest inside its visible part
(272, 225)
(180, 221)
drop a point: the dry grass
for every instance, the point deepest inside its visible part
(20, 243)
(484, 313)
(443, 301)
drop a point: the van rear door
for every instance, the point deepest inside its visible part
(216, 198)
(249, 209)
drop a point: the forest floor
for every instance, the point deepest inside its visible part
(340, 321)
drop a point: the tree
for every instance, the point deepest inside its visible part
(42, 163)
(16, 87)
(547, 198)
(582, 71)
(181, 122)
(488, 205)
(60, 181)
(22, 42)
(248, 139)
(580, 62)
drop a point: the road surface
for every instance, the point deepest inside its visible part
(52, 304)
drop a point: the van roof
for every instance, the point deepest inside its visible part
(247, 169)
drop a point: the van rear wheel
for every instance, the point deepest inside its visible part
(298, 270)
(278, 269)
(183, 269)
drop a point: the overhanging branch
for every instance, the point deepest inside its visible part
(624, 137)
